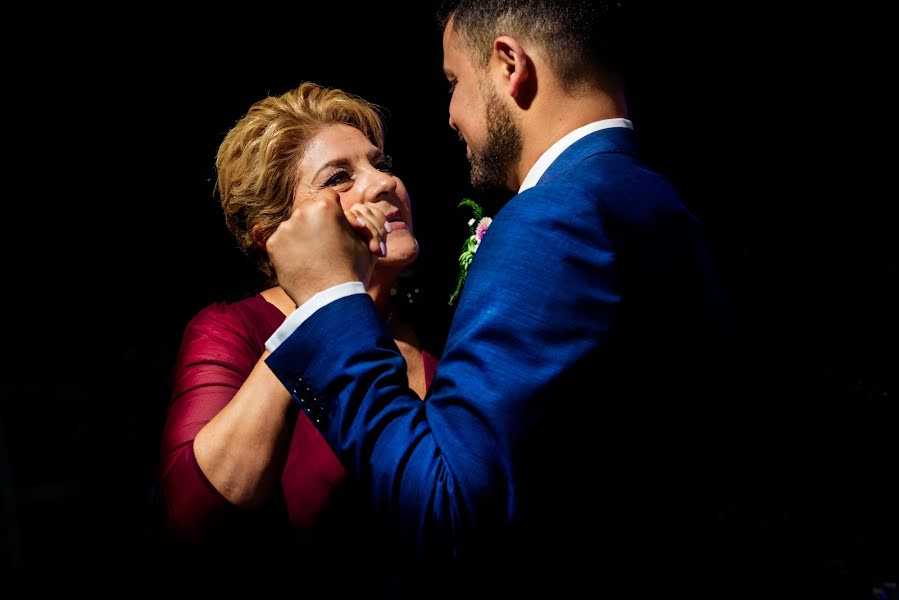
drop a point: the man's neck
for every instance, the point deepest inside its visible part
(554, 117)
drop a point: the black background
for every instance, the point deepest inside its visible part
(115, 239)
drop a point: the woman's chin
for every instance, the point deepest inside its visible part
(401, 250)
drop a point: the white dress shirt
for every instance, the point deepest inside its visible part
(556, 150)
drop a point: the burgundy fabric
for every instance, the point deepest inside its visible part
(219, 349)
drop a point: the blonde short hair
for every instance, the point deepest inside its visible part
(257, 163)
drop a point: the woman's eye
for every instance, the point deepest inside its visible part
(337, 178)
(452, 87)
(385, 165)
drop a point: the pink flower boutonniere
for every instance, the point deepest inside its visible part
(478, 226)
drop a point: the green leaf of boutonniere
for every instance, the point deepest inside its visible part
(477, 226)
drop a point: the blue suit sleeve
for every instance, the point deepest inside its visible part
(539, 297)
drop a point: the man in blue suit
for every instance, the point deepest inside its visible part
(569, 432)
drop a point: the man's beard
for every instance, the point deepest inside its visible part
(490, 166)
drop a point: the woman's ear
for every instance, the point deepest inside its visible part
(514, 61)
(259, 237)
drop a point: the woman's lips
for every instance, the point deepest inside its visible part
(395, 220)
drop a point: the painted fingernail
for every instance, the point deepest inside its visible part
(360, 221)
(383, 248)
(387, 226)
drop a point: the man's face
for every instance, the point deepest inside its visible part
(478, 114)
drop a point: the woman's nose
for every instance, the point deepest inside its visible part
(377, 184)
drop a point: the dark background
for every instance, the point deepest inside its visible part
(115, 240)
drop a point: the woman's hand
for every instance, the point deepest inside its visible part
(371, 224)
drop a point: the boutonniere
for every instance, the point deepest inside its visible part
(477, 225)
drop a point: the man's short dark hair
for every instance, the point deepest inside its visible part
(580, 38)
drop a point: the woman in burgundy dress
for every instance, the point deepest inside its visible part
(237, 454)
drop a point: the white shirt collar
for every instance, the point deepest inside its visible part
(553, 152)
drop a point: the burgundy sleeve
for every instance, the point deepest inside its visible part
(219, 349)
(215, 358)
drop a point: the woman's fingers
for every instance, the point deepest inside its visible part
(371, 223)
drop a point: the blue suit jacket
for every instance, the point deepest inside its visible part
(590, 308)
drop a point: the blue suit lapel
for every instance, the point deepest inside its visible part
(614, 140)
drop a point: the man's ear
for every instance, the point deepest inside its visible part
(515, 63)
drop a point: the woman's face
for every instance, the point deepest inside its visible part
(340, 157)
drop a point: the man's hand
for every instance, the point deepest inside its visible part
(321, 245)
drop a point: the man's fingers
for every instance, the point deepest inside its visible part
(326, 196)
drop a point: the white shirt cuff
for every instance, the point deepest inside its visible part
(303, 312)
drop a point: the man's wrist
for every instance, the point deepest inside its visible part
(308, 308)
(308, 291)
